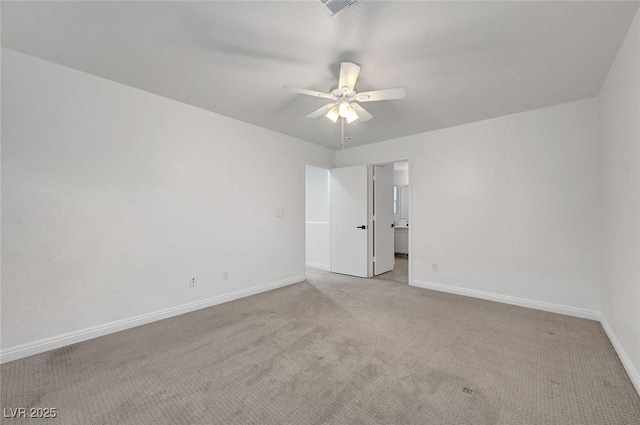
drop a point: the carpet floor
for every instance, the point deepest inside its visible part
(335, 350)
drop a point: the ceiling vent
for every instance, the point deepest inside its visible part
(334, 6)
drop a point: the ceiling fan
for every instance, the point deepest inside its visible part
(345, 101)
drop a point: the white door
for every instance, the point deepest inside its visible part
(383, 232)
(349, 234)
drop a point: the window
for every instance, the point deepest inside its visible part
(395, 200)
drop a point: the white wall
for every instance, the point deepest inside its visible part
(619, 107)
(507, 207)
(401, 177)
(113, 196)
(318, 216)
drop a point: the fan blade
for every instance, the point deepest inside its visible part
(363, 114)
(348, 75)
(310, 92)
(321, 111)
(388, 94)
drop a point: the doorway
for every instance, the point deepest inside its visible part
(317, 218)
(357, 220)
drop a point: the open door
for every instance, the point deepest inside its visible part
(383, 222)
(349, 218)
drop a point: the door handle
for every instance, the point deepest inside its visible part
(361, 227)
(393, 225)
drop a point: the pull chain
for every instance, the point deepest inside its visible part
(342, 134)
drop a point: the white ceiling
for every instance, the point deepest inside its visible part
(401, 166)
(460, 61)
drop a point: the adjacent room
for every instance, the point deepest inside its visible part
(320, 212)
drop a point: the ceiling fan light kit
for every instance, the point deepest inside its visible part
(333, 114)
(346, 111)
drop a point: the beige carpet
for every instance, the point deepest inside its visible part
(400, 272)
(336, 350)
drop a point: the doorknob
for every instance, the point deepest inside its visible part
(361, 227)
(393, 225)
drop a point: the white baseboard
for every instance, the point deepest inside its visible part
(318, 266)
(633, 373)
(631, 370)
(507, 299)
(40, 346)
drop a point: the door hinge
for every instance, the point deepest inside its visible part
(374, 259)
(374, 218)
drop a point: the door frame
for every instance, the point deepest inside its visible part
(370, 215)
(304, 208)
(369, 207)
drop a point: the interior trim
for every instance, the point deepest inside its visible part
(507, 299)
(318, 266)
(633, 373)
(46, 344)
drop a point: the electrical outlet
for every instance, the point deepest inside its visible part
(225, 275)
(192, 281)
(434, 267)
